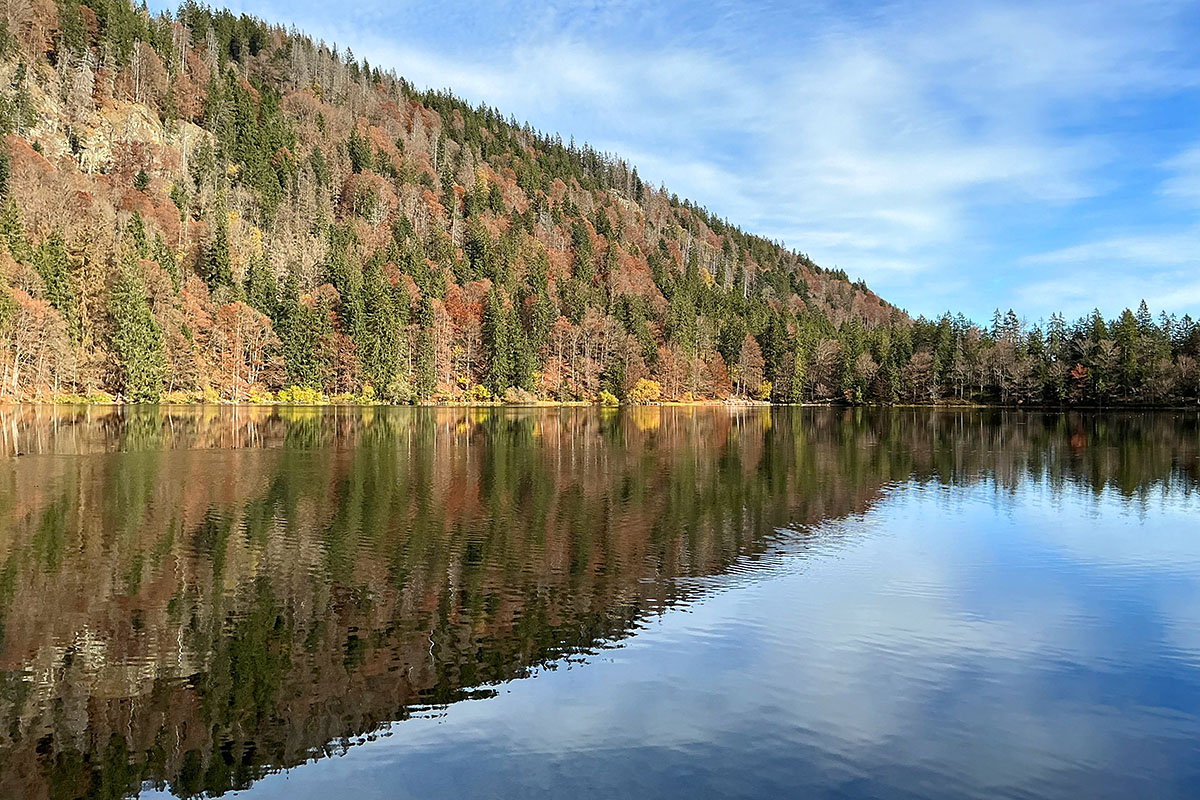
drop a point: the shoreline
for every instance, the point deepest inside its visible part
(727, 403)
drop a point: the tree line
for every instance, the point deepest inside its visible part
(203, 206)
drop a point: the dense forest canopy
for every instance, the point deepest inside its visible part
(203, 206)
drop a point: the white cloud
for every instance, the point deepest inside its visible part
(1117, 284)
(895, 144)
(1184, 180)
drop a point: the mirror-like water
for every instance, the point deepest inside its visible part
(652, 602)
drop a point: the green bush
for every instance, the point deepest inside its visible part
(74, 399)
(301, 396)
(398, 392)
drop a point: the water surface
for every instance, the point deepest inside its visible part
(581, 602)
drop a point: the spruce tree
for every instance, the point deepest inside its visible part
(166, 259)
(521, 356)
(359, 152)
(497, 345)
(12, 233)
(797, 376)
(218, 265)
(382, 324)
(425, 380)
(261, 287)
(307, 337)
(54, 266)
(135, 338)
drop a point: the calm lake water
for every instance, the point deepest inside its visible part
(653, 602)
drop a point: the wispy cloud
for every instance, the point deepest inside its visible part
(1183, 182)
(904, 143)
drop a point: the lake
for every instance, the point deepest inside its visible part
(644, 602)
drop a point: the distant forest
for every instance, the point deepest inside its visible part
(200, 206)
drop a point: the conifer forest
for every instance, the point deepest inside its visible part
(201, 207)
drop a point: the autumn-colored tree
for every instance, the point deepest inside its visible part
(245, 351)
(369, 221)
(749, 372)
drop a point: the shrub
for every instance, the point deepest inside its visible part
(609, 399)
(518, 396)
(645, 391)
(301, 396)
(75, 399)
(763, 392)
(479, 394)
(398, 392)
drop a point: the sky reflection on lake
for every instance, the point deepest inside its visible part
(815, 603)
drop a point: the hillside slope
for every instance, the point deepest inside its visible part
(206, 204)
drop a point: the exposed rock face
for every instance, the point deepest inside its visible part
(146, 133)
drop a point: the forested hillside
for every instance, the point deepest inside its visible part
(201, 206)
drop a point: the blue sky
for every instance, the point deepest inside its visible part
(959, 155)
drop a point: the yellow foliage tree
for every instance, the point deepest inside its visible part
(645, 391)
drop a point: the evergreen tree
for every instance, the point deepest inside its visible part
(218, 265)
(12, 233)
(166, 259)
(359, 152)
(497, 344)
(135, 337)
(54, 266)
(261, 288)
(72, 33)
(382, 326)
(521, 356)
(307, 336)
(425, 381)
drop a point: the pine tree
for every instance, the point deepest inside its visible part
(497, 344)
(425, 380)
(218, 265)
(261, 287)
(382, 326)
(12, 233)
(54, 266)
(521, 356)
(135, 338)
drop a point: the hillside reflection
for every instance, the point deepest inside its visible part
(194, 597)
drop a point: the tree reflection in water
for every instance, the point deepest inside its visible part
(193, 597)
